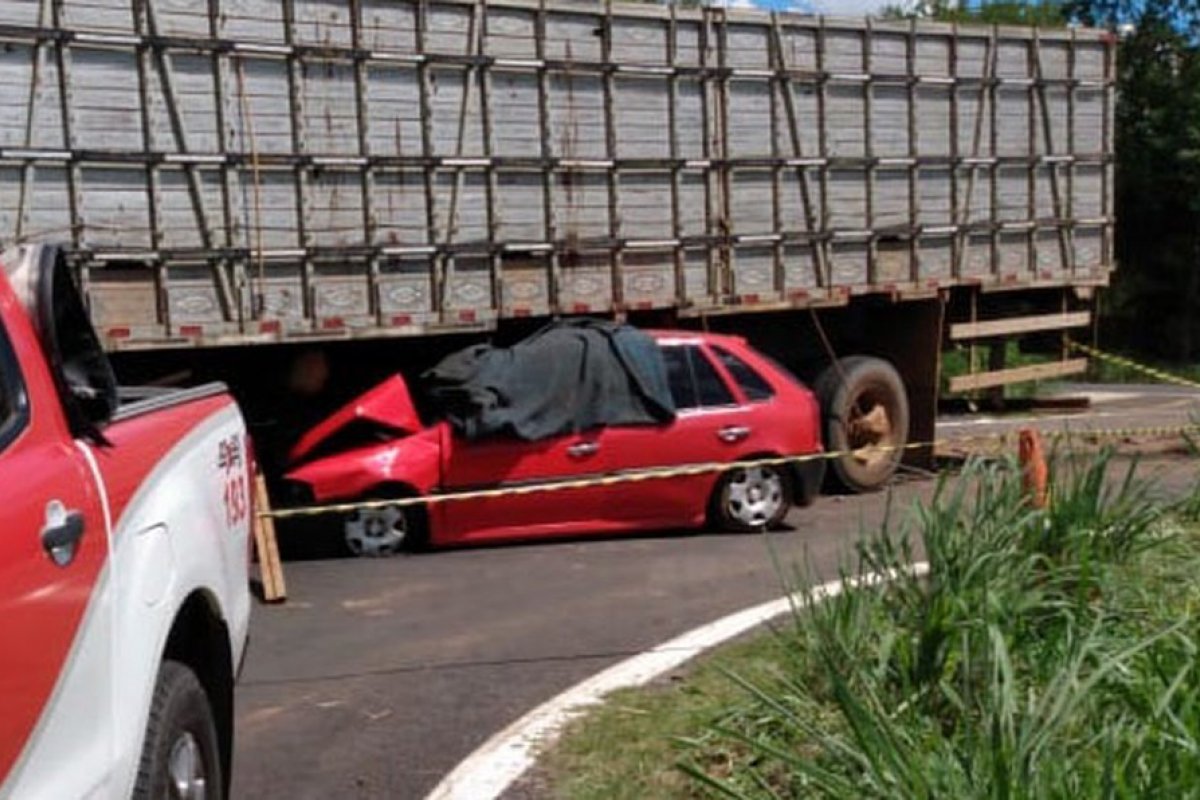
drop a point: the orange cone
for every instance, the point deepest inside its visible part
(1034, 472)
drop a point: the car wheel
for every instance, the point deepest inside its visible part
(180, 757)
(384, 530)
(864, 413)
(751, 498)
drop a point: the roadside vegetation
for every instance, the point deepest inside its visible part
(1047, 653)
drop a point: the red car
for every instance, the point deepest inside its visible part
(732, 404)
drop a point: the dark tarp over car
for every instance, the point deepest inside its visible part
(567, 377)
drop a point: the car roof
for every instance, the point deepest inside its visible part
(664, 336)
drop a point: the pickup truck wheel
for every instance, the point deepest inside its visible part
(384, 530)
(864, 413)
(180, 757)
(751, 498)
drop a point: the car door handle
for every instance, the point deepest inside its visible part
(583, 449)
(733, 433)
(61, 533)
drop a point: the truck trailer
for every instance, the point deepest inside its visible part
(237, 182)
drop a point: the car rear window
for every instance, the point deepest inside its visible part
(748, 380)
(693, 380)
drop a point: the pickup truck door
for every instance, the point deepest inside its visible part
(55, 621)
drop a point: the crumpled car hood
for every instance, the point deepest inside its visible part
(389, 404)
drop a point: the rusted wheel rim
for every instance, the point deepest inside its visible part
(870, 433)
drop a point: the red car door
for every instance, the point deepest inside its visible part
(53, 547)
(508, 463)
(712, 425)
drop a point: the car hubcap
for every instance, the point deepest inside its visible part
(376, 531)
(186, 764)
(755, 496)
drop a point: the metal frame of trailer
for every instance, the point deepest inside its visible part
(241, 171)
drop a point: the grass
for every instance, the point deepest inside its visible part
(956, 362)
(1047, 654)
(1101, 371)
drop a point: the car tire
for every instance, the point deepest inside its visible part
(386, 530)
(864, 405)
(751, 498)
(180, 755)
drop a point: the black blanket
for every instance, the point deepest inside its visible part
(567, 377)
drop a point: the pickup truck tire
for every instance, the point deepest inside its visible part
(863, 404)
(180, 756)
(750, 498)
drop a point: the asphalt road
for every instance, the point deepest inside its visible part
(378, 676)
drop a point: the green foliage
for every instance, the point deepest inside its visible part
(1044, 13)
(1158, 174)
(1046, 654)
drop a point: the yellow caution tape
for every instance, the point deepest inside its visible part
(1129, 363)
(690, 470)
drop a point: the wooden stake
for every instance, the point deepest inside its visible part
(266, 547)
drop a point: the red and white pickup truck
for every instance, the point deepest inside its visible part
(124, 550)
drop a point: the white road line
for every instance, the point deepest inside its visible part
(1081, 418)
(502, 759)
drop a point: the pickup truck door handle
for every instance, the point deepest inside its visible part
(61, 533)
(733, 433)
(583, 449)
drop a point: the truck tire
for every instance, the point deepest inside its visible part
(863, 405)
(180, 756)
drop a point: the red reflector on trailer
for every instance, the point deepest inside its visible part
(332, 323)
(191, 330)
(749, 298)
(270, 326)
(466, 316)
(402, 319)
(581, 308)
(522, 312)
(643, 305)
(798, 294)
(119, 333)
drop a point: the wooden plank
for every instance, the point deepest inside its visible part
(1019, 325)
(266, 547)
(1003, 377)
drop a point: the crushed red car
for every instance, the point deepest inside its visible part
(731, 404)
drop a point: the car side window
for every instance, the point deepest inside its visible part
(710, 387)
(693, 380)
(748, 380)
(679, 377)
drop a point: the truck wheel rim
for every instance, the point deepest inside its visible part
(755, 496)
(186, 766)
(869, 432)
(376, 531)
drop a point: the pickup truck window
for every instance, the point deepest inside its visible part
(14, 406)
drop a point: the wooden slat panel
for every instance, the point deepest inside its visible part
(1017, 325)
(1003, 377)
